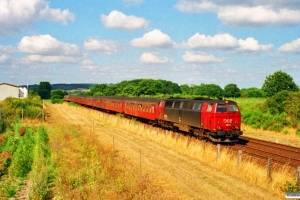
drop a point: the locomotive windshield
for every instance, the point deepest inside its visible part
(223, 108)
(233, 108)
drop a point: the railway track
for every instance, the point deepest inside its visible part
(263, 150)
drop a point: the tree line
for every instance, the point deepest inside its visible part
(274, 83)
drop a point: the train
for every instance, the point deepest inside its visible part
(215, 120)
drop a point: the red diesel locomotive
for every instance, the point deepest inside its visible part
(216, 120)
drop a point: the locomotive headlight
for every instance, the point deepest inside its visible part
(236, 122)
(218, 122)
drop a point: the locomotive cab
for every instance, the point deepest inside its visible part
(222, 120)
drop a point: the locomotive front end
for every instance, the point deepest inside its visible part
(226, 122)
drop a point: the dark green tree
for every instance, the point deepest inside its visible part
(110, 90)
(277, 82)
(44, 90)
(185, 89)
(292, 107)
(231, 90)
(149, 87)
(98, 88)
(252, 92)
(209, 90)
(57, 94)
(275, 103)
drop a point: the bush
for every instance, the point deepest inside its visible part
(291, 187)
(54, 101)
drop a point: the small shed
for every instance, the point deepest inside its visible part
(10, 90)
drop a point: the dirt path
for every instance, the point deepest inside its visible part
(176, 173)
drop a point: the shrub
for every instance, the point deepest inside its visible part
(291, 187)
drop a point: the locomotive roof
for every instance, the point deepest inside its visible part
(203, 100)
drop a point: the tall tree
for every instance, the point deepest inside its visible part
(277, 82)
(44, 90)
(231, 90)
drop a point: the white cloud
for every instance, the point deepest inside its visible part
(222, 40)
(293, 47)
(101, 46)
(118, 20)
(201, 57)
(226, 41)
(3, 58)
(47, 45)
(16, 15)
(264, 15)
(251, 45)
(50, 59)
(231, 71)
(155, 39)
(46, 49)
(247, 13)
(7, 49)
(291, 67)
(153, 57)
(87, 65)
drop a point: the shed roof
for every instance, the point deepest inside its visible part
(9, 84)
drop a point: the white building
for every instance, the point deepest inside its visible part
(9, 90)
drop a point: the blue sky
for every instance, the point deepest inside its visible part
(184, 41)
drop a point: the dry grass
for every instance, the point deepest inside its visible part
(86, 169)
(288, 136)
(248, 171)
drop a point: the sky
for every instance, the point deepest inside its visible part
(183, 41)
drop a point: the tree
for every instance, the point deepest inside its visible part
(110, 90)
(292, 107)
(275, 104)
(57, 94)
(277, 82)
(252, 92)
(98, 88)
(209, 90)
(44, 90)
(185, 89)
(231, 90)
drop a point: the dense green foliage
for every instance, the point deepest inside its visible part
(292, 108)
(231, 90)
(26, 149)
(252, 92)
(57, 96)
(277, 82)
(29, 107)
(44, 90)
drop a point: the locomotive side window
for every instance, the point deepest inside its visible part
(169, 104)
(177, 104)
(233, 108)
(197, 106)
(221, 108)
(209, 108)
(187, 105)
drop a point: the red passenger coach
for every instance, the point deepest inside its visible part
(146, 108)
